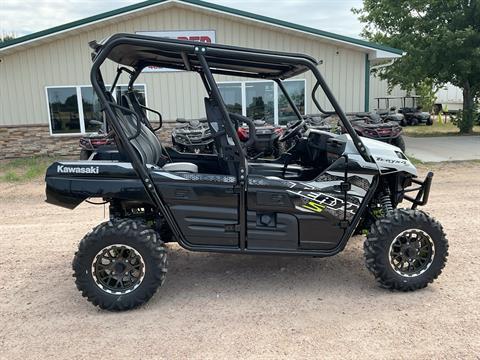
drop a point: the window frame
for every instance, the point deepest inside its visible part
(78, 89)
(276, 94)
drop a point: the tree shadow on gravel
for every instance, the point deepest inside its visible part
(201, 274)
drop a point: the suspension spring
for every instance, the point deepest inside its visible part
(386, 203)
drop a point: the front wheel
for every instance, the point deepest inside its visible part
(120, 264)
(406, 250)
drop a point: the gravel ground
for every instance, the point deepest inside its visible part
(231, 306)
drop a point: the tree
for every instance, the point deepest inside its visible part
(441, 39)
(6, 37)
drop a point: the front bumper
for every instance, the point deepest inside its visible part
(423, 191)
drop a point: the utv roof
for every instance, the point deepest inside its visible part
(139, 51)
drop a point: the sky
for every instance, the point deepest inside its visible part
(22, 17)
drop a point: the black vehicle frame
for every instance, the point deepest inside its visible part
(231, 204)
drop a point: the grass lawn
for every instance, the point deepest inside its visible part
(24, 169)
(436, 130)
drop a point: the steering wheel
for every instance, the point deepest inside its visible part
(292, 130)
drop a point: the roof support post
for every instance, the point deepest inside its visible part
(242, 174)
(366, 104)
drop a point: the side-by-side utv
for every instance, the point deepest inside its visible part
(309, 201)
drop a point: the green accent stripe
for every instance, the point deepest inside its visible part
(367, 84)
(206, 5)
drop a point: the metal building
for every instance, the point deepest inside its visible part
(46, 101)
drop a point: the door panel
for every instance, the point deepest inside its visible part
(322, 208)
(271, 230)
(205, 206)
(207, 225)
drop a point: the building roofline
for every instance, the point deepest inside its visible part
(203, 4)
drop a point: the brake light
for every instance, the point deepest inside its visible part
(98, 142)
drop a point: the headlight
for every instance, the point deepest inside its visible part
(401, 155)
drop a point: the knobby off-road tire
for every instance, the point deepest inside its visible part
(399, 142)
(122, 249)
(165, 232)
(391, 236)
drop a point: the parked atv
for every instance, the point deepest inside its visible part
(412, 115)
(91, 142)
(314, 121)
(266, 139)
(323, 123)
(415, 116)
(371, 125)
(193, 136)
(366, 124)
(391, 115)
(308, 202)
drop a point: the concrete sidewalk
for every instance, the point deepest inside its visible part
(444, 148)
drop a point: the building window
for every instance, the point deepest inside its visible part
(92, 110)
(139, 90)
(296, 90)
(72, 108)
(232, 96)
(263, 99)
(63, 107)
(260, 101)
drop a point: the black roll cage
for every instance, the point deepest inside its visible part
(233, 54)
(291, 65)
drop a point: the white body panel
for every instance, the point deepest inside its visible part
(386, 156)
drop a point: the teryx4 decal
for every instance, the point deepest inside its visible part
(391, 161)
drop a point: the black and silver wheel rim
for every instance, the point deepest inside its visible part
(118, 269)
(411, 253)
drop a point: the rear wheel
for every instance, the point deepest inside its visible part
(406, 250)
(429, 121)
(120, 264)
(399, 142)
